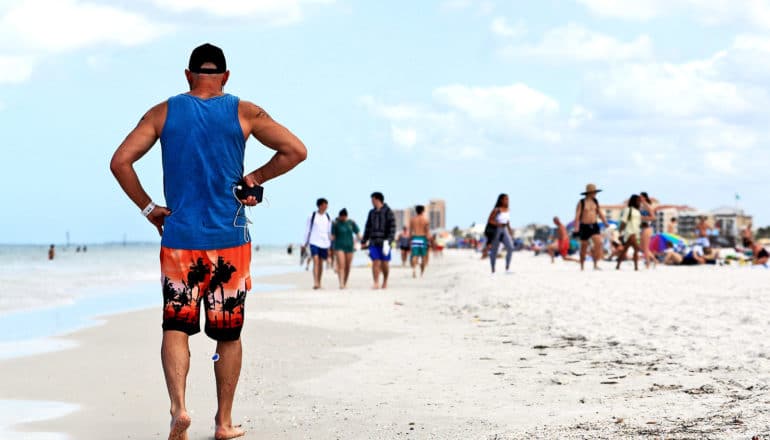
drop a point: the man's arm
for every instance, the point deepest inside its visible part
(289, 150)
(133, 148)
(391, 224)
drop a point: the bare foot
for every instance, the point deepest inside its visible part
(385, 285)
(375, 287)
(179, 425)
(228, 432)
(316, 287)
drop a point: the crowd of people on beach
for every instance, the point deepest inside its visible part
(334, 242)
(634, 232)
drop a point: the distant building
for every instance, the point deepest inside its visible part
(437, 214)
(402, 217)
(729, 221)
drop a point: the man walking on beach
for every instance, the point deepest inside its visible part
(318, 235)
(205, 247)
(420, 227)
(587, 215)
(379, 232)
(562, 242)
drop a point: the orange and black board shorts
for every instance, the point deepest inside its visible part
(219, 279)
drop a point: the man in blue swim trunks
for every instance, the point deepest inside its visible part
(379, 232)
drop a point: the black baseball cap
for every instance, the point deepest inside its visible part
(207, 53)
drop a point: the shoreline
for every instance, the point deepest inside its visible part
(545, 353)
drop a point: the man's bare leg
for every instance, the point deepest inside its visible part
(583, 252)
(413, 262)
(385, 273)
(227, 370)
(423, 265)
(597, 254)
(318, 267)
(376, 274)
(175, 356)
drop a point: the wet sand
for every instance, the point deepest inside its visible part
(547, 352)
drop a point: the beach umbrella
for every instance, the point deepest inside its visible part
(659, 242)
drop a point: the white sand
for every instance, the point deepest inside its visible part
(668, 353)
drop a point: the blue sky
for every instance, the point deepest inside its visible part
(456, 99)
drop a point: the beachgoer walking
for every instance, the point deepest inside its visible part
(420, 227)
(648, 210)
(290, 249)
(205, 246)
(631, 228)
(379, 232)
(51, 252)
(343, 231)
(561, 245)
(500, 218)
(404, 239)
(587, 216)
(318, 237)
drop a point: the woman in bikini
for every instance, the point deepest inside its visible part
(648, 217)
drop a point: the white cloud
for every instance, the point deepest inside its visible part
(576, 43)
(273, 12)
(501, 27)
(579, 117)
(688, 90)
(15, 69)
(63, 25)
(482, 7)
(404, 137)
(721, 161)
(462, 121)
(712, 12)
(506, 109)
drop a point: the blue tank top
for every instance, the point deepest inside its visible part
(203, 148)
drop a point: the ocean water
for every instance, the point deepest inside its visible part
(67, 293)
(42, 299)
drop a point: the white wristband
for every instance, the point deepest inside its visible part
(146, 211)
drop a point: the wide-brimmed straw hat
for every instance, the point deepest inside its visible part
(590, 189)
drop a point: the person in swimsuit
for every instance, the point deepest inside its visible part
(647, 210)
(420, 227)
(587, 216)
(404, 240)
(761, 255)
(631, 228)
(343, 231)
(561, 245)
(205, 246)
(500, 217)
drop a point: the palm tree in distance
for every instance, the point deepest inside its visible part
(223, 272)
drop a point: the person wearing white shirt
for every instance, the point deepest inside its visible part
(318, 235)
